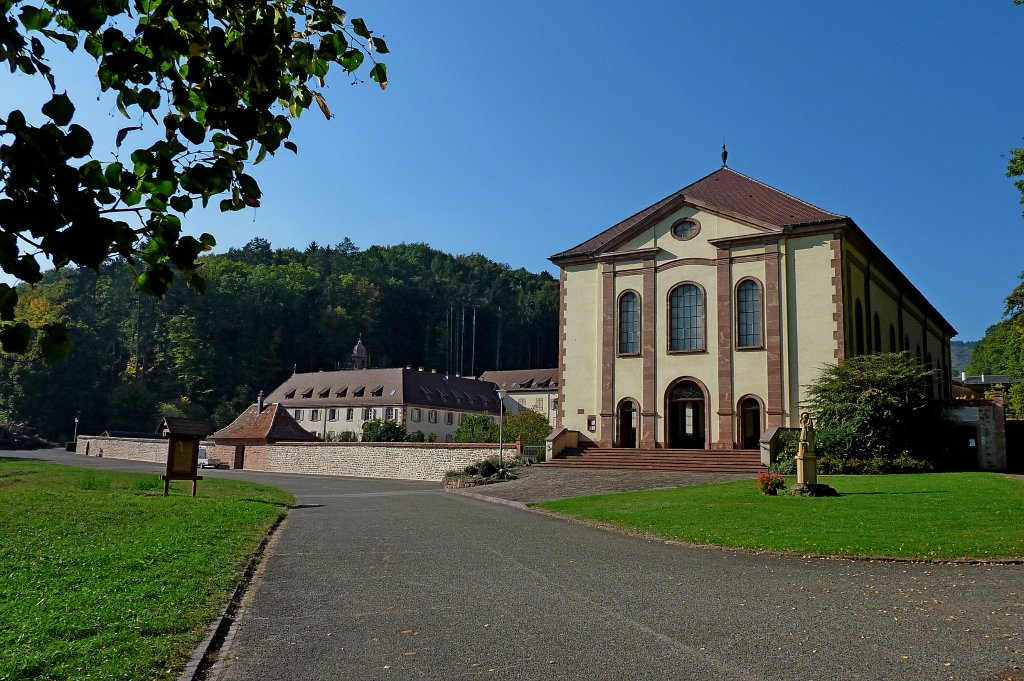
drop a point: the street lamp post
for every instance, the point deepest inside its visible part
(75, 438)
(501, 432)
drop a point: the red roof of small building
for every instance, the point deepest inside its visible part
(725, 189)
(274, 423)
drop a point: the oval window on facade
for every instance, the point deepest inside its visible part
(685, 229)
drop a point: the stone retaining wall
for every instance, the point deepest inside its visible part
(397, 460)
(136, 449)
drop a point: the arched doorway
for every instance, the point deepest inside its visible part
(627, 424)
(750, 423)
(685, 423)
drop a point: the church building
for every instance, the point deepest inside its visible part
(699, 322)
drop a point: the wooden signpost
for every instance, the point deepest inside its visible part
(183, 437)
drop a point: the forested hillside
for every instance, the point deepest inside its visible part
(1001, 351)
(960, 354)
(265, 313)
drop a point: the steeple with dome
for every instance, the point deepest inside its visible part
(360, 357)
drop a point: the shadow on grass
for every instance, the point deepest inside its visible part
(922, 491)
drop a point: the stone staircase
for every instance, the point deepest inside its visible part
(692, 460)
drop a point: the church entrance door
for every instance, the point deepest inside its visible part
(685, 422)
(750, 423)
(627, 424)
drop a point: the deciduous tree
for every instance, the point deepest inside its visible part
(208, 88)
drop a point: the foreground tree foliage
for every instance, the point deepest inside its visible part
(207, 87)
(872, 414)
(1001, 351)
(266, 313)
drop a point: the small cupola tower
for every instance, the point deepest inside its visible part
(360, 358)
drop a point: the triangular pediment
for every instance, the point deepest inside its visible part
(725, 193)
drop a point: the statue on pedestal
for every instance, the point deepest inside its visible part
(807, 464)
(806, 461)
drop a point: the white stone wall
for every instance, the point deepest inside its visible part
(396, 460)
(154, 451)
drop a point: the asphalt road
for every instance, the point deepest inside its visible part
(374, 579)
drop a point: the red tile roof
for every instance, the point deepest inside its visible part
(274, 423)
(726, 189)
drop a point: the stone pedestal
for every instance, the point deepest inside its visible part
(806, 468)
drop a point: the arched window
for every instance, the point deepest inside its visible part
(858, 325)
(876, 332)
(748, 314)
(629, 324)
(686, 318)
(892, 339)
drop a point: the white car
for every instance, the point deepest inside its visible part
(203, 461)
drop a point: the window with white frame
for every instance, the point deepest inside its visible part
(367, 414)
(349, 414)
(298, 414)
(432, 416)
(448, 418)
(416, 414)
(332, 414)
(389, 413)
(314, 414)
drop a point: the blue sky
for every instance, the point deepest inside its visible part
(519, 129)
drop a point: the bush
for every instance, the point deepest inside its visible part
(416, 436)
(342, 436)
(19, 436)
(770, 483)
(476, 428)
(870, 411)
(380, 430)
(529, 426)
(786, 465)
(487, 468)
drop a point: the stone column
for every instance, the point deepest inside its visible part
(724, 351)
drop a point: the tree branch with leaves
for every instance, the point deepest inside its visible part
(215, 82)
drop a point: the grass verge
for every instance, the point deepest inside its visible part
(102, 577)
(934, 516)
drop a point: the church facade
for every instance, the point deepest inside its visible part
(699, 322)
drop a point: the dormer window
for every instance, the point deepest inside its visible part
(358, 392)
(326, 392)
(341, 392)
(307, 394)
(378, 391)
(290, 394)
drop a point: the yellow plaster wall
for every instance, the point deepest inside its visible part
(583, 319)
(807, 340)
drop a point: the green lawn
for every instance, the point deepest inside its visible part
(102, 577)
(935, 515)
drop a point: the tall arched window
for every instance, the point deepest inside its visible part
(858, 325)
(629, 323)
(876, 332)
(686, 318)
(748, 314)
